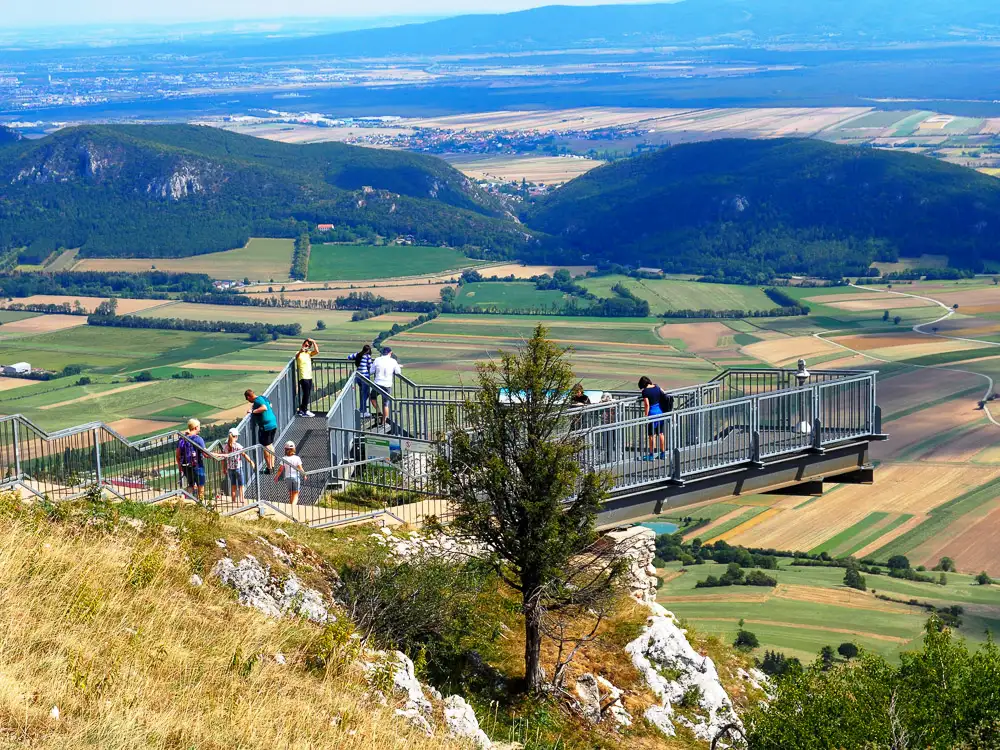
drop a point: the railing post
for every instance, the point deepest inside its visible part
(17, 450)
(258, 456)
(97, 455)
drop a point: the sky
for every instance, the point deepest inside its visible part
(71, 12)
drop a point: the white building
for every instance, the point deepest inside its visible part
(18, 368)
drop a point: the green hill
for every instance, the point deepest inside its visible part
(174, 190)
(748, 208)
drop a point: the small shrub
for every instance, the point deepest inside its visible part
(847, 650)
(746, 640)
(691, 697)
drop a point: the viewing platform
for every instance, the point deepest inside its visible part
(746, 431)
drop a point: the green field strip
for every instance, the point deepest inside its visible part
(751, 512)
(869, 538)
(947, 358)
(975, 391)
(184, 411)
(328, 262)
(939, 520)
(849, 533)
(909, 125)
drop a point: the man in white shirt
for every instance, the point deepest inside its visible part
(384, 370)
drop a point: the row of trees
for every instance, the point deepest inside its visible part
(144, 284)
(300, 257)
(258, 331)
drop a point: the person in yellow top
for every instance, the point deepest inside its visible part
(304, 373)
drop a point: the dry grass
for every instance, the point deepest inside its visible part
(125, 306)
(781, 352)
(106, 628)
(44, 324)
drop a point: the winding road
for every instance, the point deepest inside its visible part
(919, 328)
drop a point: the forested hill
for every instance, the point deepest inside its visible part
(747, 208)
(168, 190)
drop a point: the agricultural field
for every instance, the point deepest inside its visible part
(811, 608)
(358, 262)
(541, 170)
(512, 295)
(259, 260)
(670, 294)
(305, 317)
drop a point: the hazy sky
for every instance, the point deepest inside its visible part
(50, 12)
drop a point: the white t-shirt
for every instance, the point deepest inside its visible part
(383, 370)
(293, 465)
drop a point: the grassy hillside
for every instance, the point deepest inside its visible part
(746, 209)
(174, 190)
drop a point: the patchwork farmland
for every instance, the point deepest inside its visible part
(937, 486)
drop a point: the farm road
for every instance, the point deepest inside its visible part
(919, 328)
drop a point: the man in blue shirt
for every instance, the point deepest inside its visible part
(190, 457)
(267, 425)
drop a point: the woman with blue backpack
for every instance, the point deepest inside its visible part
(655, 402)
(190, 459)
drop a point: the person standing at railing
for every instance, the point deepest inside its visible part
(304, 373)
(363, 364)
(384, 370)
(190, 456)
(291, 468)
(654, 402)
(230, 453)
(264, 419)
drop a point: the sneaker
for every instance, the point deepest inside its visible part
(663, 456)
(300, 413)
(647, 458)
(267, 469)
(308, 414)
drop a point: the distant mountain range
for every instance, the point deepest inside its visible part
(700, 23)
(174, 190)
(744, 209)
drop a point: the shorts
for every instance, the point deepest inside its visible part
(236, 477)
(658, 427)
(194, 476)
(294, 484)
(384, 398)
(266, 437)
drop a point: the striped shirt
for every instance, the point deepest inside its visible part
(364, 366)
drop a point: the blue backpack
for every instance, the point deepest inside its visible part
(188, 452)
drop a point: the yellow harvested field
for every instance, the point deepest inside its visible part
(931, 345)
(840, 597)
(93, 396)
(747, 526)
(125, 306)
(883, 303)
(801, 626)
(899, 488)
(259, 259)
(7, 384)
(897, 532)
(44, 324)
(868, 342)
(982, 297)
(305, 316)
(547, 170)
(133, 427)
(784, 351)
(526, 272)
(699, 337)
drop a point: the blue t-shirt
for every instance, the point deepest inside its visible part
(266, 418)
(652, 394)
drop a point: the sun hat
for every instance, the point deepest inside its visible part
(290, 444)
(233, 432)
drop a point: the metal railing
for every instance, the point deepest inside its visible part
(742, 418)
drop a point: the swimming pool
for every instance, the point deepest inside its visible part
(660, 527)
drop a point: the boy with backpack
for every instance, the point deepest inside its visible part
(267, 425)
(191, 460)
(655, 401)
